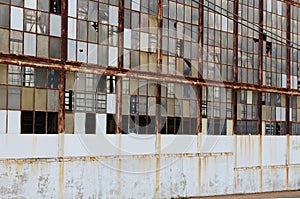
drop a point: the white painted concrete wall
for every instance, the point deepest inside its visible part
(136, 166)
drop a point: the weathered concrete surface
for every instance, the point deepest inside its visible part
(118, 166)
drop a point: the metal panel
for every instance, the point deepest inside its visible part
(248, 151)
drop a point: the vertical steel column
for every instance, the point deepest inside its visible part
(260, 66)
(120, 66)
(288, 66)
(235, 64)
(200, 66)
(159, 65)
(62, 73)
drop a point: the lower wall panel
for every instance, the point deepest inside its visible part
(247, 180)
(109, 172)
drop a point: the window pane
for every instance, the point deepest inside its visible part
(40, 123)
(30, 21)
(90, 123)
(43, 26)
(14, 97)
(52, 123)
(4, 12)
(29, 44)
(16, 18)
(43, 5)
(55, 25)
(27, 122)
(54, 47)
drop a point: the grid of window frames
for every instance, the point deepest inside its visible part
(248, 43)
(140, 33)
(86, 94)
(179, 107)
(295, 55)
(34, 27)
(273, 114)
(247, 112)
(180, 37)
(33, 93)
(274, 53)
(93, 31)
(218, 40)
(295, 115)
(217, 110)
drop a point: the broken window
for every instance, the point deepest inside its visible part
(39, 122)
(55, 6)
(69, 100)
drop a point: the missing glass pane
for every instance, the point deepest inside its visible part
(27, 122)
(52, 123)
(55, 6)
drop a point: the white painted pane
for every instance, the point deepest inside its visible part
(29, 44)
(72, 6)
(82, 52)
(101, 124)
(144, 42)
(14, 122)
(71, 50)
(72, 28)
(127, 38)
(30, 4)
(2, 122)
(92, 53)
(79, 123)
(16, 18)
(135, 4)
(113, 15)
(283, 81)
(113, 56)
(111, 103)
(55, 25)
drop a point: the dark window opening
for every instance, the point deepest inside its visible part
(40, 123)
(55, 6)
(268, 48)
(90, 123)
(69, 100)
(111, 84)
(26, 122)
(111, 124)
(52, 123)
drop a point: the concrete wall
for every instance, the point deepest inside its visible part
(131, 166)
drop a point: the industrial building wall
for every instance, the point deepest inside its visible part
(35, 167)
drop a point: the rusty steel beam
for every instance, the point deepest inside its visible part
(154, 76)
(292, 3)
(62, 73)
(120, 66)
(260, 67)
(288, 66)
(159, 66)
(200, 66)
(235, 64)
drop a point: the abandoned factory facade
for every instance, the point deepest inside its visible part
(146, 67)
(148, 98)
